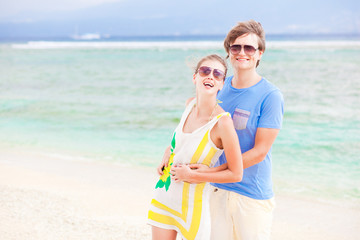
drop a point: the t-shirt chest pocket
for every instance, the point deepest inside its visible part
(240, 118)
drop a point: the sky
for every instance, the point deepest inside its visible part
(21, 18)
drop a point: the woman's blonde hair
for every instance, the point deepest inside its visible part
(212, 57)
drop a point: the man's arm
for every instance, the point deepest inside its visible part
(272, 114)
(264, 139)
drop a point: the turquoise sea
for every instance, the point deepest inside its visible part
(119, 101)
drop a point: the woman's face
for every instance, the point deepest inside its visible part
(243, 60)
(209, 77)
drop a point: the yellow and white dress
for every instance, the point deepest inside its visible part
(182, 206)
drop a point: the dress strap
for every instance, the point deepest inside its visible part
(186, 112)
(217, 118)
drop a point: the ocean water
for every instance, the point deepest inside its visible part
(120, 101)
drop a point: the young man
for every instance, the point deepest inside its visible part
(243, 210)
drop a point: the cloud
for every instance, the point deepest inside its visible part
(11, 8)
(24, 20)
(145, 17)
(307, 28)
(164, 17)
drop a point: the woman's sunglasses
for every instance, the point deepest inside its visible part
(205, 71)
(248, 49)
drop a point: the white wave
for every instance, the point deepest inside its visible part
(122, 45)
(340, 44)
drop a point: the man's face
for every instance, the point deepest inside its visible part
(243, 60)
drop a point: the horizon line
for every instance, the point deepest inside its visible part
(109, 37)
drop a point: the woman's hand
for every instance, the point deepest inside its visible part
(180, 173)
(186, 173)
(199, 167)
(164, 162)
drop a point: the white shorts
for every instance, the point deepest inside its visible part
(234, 216)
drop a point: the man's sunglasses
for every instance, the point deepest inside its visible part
(248, 49)
(205, 71)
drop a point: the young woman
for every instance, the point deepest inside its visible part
(205, 131)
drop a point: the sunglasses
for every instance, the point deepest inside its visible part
(205, 71)
(248, 49)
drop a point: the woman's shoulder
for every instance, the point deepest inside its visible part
(223, 126)
(226, 121)
(224, 118)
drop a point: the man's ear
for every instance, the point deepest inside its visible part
(260, 54)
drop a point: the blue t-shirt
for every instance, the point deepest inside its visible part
(259, 106)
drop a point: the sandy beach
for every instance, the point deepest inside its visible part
(44, 197)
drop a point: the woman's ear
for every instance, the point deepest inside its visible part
(194, 76)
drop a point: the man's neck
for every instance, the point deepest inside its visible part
(245, 79)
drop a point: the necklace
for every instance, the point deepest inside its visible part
(211, 116)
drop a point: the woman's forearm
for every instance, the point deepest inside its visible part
(215, 175)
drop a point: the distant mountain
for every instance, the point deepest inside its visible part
(185, 17)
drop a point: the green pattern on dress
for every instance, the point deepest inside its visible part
(165, 179)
